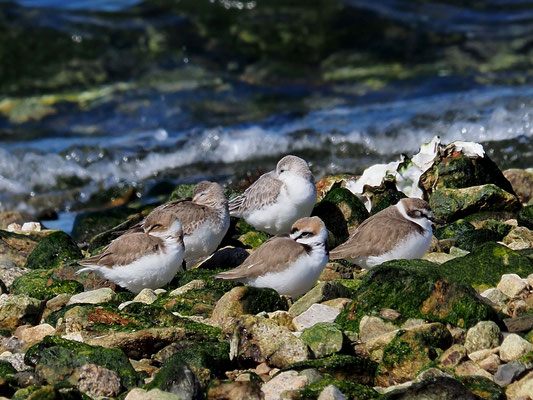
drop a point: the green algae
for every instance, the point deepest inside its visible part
(351, 390)
(54, 250)
(185, 190)
(525, 217)
(49, 393)
(483, 387)
(40, 284)
(323, 339)
(57, 358)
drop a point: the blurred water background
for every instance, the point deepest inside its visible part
(137, 96)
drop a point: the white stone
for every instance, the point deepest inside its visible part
(13, 227)
(146, 296)
(285, 381)
(511, 285)
(530, 280)
(513, 347)
(315, 314)
(192, 285)
(154, 394)
(31, 227)
(480, 355)
(122, 306)
(331, 392)
(496, 296)
(160, 291)
(102, 295)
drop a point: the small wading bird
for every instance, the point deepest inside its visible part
(401, 231)
(138, 260)
(205, 220)
(278, 198)
(288, 263)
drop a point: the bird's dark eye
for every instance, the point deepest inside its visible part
(294, 230)
(156, 226)
(306, 234)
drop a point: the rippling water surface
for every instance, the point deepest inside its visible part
(100, 94)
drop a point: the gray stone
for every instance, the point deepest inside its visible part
(331, 393)
(315, 314)
(491, 363)
(513, 347)
(522, 389)
(322, 292)
(519, 324)
(512, 285)
(312, 375)
(284, 382)
(96, 381)
(146, 296)
(484, 335)
(102, 295)
(507, 373)
(16, 310)
(16, 360)
(9, 271)
(496, 296)
(154, 394)
(452, 356)
(372, 327)
(192, 285)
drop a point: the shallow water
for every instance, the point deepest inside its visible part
(187, 107)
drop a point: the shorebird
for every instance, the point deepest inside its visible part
(278, 198)
(205, 220)
(138, 260)
(401, 231)
(288, 263)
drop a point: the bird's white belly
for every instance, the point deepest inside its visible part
(414, 246)
(296, 280)
(204, 241)
(151, 271)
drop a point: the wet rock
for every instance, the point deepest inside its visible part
(372, 327)
(514, 347)
(46, 392)
(58, 360)
(512, 285)
(452, 204)
(522, 183)
(227, 390)
(452, 356)
(16, 310)
(32, 334)
(521, 389)
(9, 271)
(322, 292)
(282, 318)
(103, 295)
(429, 296)
(15, 217)
(315, 314)
(96, 381)
(342, 212)
(331, 392)
(329, 182)
(247, 300)
(484, 335)
(485, 265)
(323, 339)
(409, 351)
(341, 367)
(17, 247)
(287, 382)
(154, 394)
(43, 283)
(349, 389)
(55, 250)
(441, 388)
(182, 381)
(258, 339)
(509, 372)
(519, 238)
(525, 217)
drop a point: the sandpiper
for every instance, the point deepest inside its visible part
(138, 260)
(288, 263)
(401, 231)
(278, 198)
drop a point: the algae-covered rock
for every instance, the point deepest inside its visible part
(41, 284)
(253, 239)
(483, 387)
(415, 289)
(323, 339)
(341, 366)
(409, 351)
(329, 182)
(57, 360)
(384, 196)
(247, 300)
(16, 310)
(54, 250)
(17, 247)
(519, 238)
(182, 191)
(467, 237)
(484, 335)
(260, 340)
(525, 217)
(453, 169)
(452, 204)
(351, 390)
(48, 392)
(196, 364)
(442, 388)
(485, 265)
(342, 212)
(322, 292)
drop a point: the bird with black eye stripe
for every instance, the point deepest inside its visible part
(288, 263)
(401, 231)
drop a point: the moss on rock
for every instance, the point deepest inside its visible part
(182, 191)
(323, 339)
(452, 204)
(342, 212)
(483, 387)
(416, 289)
(54, 250)
(351, 390)
(56, 359)
(41, 284)
(525, 217)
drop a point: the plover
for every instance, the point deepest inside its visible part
(205, 220)
(401, 231)
(288, 263)
(139, 260)
(278, 198)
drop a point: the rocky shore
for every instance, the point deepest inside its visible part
(456, 324)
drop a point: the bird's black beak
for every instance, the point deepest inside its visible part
(437, 221)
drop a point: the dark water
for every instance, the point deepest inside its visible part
(100, 94)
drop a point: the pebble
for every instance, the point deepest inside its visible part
(507, 373)
(285, 381)
(154, 394)
(452, 356)
(102, 295)
(372, 327)
(512, 285)
(146, 296)
(315, 314)
(33, 334)
(192, 285)
(16, 360)
(490, 364)
(96, 381)
(522, 389)
(496, 296)
(331, 392)
(513, 347)
(484, 335)
(480, 355)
